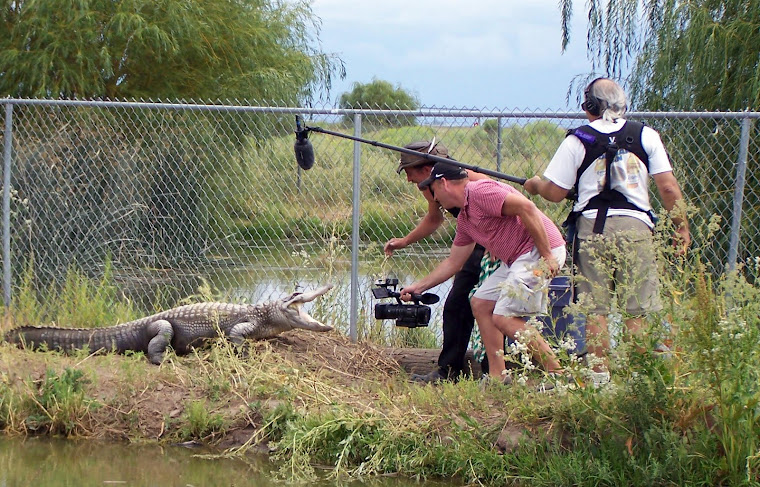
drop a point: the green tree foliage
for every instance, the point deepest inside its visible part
(381, 95)
(163, 49)
(697, 55)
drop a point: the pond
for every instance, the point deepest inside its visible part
(48, 462)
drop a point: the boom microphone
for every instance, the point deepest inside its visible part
(303, 148)
(305, 152)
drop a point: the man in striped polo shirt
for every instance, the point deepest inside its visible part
(512, 229)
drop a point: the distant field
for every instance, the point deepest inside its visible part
(390, 206)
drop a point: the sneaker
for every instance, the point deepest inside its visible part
(486, 380)
(434, 377)
(599, 379)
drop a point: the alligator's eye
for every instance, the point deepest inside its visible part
(293, 299)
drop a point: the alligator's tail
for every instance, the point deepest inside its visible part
(118, 338)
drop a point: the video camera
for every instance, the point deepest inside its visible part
(406, 315)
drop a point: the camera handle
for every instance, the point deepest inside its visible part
(424, 298)
(383, 291)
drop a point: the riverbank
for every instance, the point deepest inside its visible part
(317, 400)
(242, 405)
(126, 398)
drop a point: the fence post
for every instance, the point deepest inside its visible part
(8, 138)
(353, 319)
(498, 143)
(741, 170)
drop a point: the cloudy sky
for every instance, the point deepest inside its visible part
(486, 54)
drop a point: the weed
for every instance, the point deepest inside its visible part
(199, 423)
(6, 398)
(278, 419)
(60, 403)
(723, 347)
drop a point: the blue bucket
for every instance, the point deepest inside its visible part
(558, 324)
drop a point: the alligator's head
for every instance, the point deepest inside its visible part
(291, 312)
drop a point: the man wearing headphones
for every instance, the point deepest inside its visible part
(609, 162)
(458, 320)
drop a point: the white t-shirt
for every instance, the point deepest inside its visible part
(629, 174)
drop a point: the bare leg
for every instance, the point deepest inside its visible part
(493, 339)
(540, 350)
(598, 335)
(635, 326)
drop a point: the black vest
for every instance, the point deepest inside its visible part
(598, 144)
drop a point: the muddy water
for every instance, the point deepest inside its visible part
(45, 462)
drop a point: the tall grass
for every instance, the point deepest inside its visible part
(60, 404)
(80, 302)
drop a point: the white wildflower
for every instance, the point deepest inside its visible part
(567, 343)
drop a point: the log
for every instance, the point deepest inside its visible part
(425, 360)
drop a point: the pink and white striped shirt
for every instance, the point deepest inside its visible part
(481, 221)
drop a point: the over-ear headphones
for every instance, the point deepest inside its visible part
(592, 104)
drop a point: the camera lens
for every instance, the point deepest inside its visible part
(407, 315)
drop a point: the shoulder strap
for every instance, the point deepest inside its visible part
(594, 141)
(629, 138)
(598, 144)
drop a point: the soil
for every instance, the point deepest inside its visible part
(140, 401)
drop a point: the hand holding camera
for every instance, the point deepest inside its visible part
(406, 315)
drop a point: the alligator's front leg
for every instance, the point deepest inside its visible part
(238, 334)
(241, 331)
(160, 333)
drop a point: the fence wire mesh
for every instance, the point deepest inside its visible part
(161, 200)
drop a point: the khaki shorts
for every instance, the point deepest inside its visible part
(619, 264)
(519, 289)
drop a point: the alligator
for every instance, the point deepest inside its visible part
(183, 328)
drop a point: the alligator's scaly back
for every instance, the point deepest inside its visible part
(182, 327)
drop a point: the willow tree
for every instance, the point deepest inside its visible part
(163, 49)
(695, 55)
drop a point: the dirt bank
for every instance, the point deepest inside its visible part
(136, 400)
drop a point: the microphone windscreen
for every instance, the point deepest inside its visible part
(429, 298)
(304, 153)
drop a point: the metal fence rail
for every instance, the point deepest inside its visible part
(165, 198)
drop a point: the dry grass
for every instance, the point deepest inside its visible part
(308, 372)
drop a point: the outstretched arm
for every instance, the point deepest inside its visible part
(447, 268)
(545, 188)
(429, 224)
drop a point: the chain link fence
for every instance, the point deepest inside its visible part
(163, 201)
